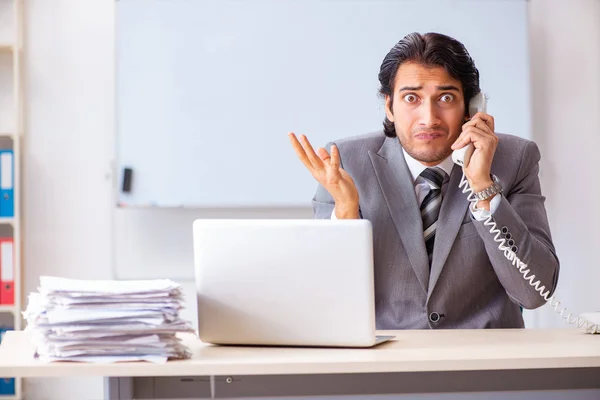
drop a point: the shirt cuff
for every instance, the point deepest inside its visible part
(481, 214)
(333, 216)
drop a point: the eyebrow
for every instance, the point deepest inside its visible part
(415, 88)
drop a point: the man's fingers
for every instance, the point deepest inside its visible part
(323, 155)
(310, 152)
(485, 120)
(479, 124)
(489, 120)
(471, 134)
(465, 138)
(335, 158)
(300, 151)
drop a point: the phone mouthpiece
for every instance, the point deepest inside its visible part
(463, 155)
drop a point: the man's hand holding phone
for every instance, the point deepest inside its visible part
(479, 130)
(325, 168)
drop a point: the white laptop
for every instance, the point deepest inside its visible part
(285, 282)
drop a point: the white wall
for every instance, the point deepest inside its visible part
(71, 228)
(68, 147)
(565, 62)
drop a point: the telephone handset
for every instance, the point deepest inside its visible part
(590, 322)
(462, 156)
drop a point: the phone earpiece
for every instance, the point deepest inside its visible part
(477, 104)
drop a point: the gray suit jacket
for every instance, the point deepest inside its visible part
(471, 284)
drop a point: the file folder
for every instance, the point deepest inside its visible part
(7, 385)
(7, 203)
(7, 272)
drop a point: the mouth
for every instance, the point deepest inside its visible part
(429, 135)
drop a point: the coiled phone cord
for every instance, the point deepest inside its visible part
(523, 269)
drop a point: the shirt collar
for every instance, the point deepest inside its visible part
(416, 167)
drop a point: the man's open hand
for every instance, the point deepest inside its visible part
(326, 170)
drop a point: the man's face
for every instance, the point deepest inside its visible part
(428, 111)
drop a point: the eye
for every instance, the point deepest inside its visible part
(447, 98)
(410, 98)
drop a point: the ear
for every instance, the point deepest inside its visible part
(388, 108)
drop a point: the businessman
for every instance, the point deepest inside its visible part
(436, 263)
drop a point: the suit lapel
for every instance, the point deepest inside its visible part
(399, 192)
(452, 212)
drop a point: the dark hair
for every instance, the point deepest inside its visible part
(430, 49)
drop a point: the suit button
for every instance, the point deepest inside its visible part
(434, 317)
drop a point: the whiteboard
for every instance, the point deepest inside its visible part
(207, 90)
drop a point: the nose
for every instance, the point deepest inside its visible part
(429, 114)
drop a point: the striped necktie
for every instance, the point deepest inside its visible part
(430, 207)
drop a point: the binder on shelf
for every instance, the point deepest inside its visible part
(7, 385)
(7, 271)
(7, 202)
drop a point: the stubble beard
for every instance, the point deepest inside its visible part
(426, 156)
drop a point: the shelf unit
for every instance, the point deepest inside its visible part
(11, 133)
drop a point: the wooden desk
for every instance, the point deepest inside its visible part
(415, 361)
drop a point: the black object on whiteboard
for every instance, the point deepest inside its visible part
(127, 175)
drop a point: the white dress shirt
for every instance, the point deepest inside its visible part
(422, 186)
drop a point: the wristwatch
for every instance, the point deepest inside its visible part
(488, 192)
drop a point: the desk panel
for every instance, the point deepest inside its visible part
(584, 381)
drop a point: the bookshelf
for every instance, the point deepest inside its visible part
(11, 132)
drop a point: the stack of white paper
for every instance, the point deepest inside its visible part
(107, 321)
